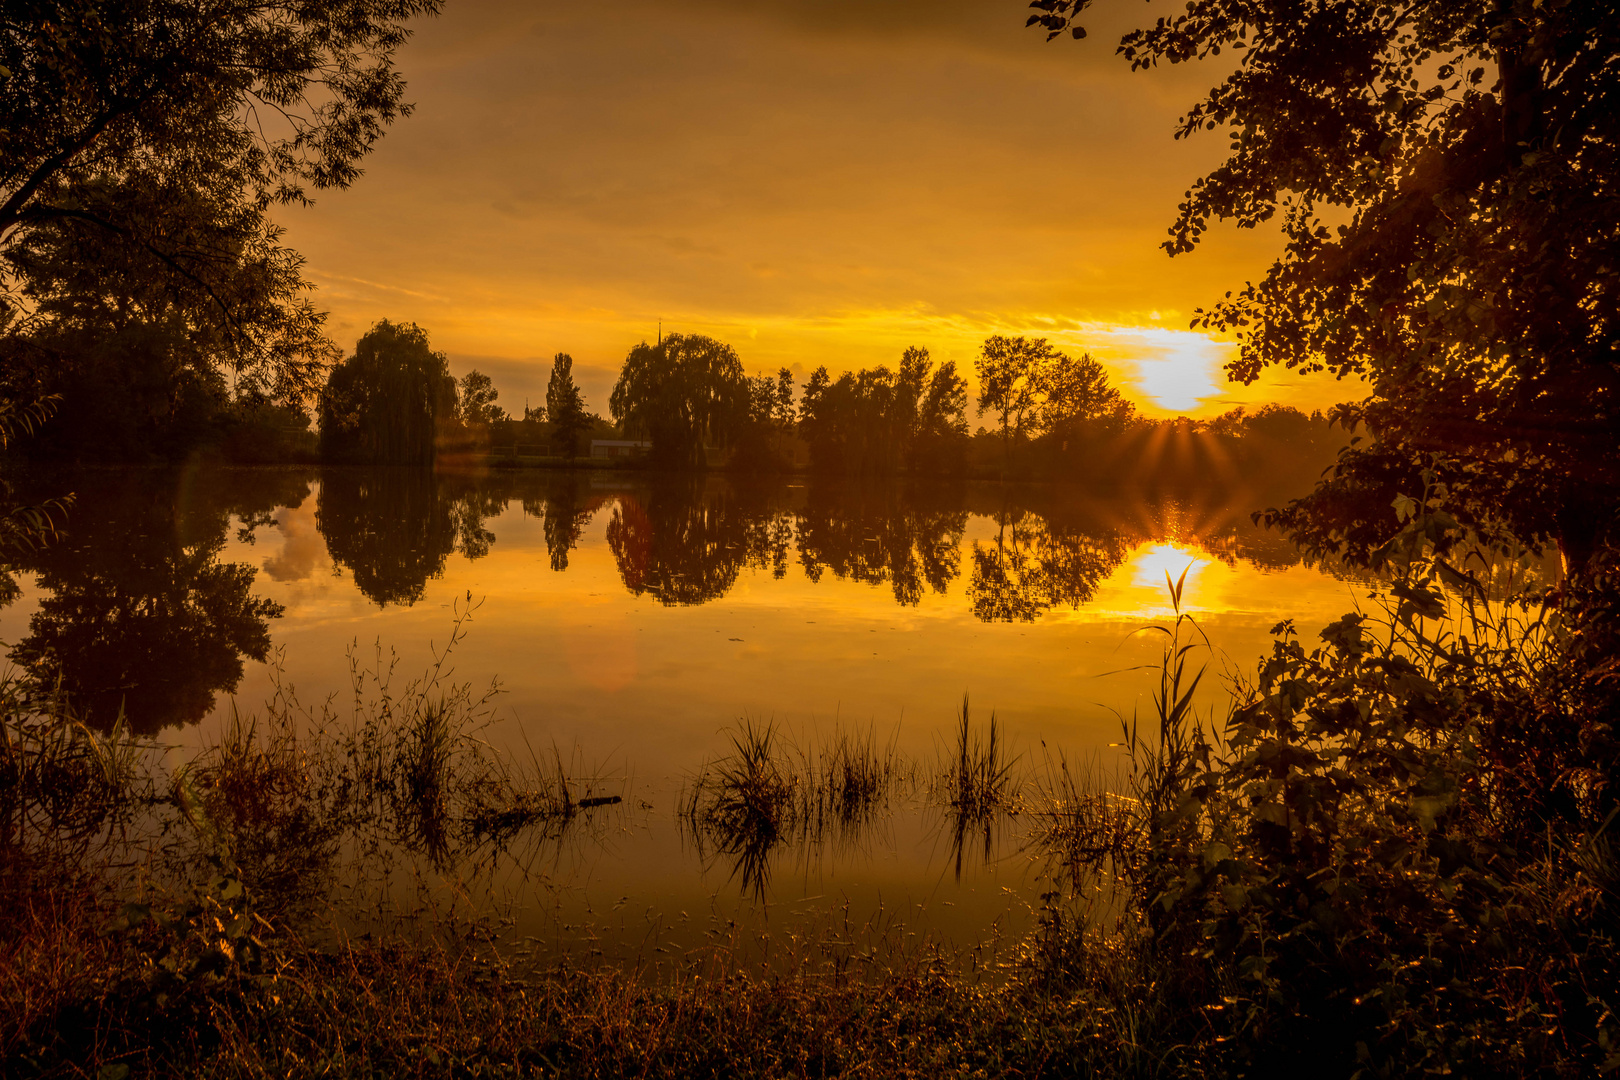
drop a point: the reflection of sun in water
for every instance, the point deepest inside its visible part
(1152, 562)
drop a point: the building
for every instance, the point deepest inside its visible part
(619, 448)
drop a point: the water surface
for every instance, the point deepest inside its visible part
(632, 622)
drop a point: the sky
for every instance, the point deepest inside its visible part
(812, 181)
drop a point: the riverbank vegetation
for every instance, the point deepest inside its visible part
(1387, 853)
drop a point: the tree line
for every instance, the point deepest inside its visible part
(689, 403)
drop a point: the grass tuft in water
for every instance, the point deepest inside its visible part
(768, 792)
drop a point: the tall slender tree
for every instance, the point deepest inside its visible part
(565, 406)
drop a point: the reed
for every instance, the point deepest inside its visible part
(769, 792)
(976, 785)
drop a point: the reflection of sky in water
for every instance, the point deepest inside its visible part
(627, 687)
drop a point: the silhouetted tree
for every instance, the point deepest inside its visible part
(871, 421)
(140, 167)
(386, 403)
(565, 406)
(476, 401)
(1446, 180)
(1073, 392)
(683, 393)
(1010, 372)
(940, 434)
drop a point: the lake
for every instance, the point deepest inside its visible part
(633, 624)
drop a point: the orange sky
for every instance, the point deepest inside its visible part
(813, 181)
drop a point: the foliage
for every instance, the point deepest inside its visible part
(684, 393)
(476, 400)
(145, 143)
(1034, 389)
(1395, 856)
(1009, 380)
(565, 406)
(1446, 180)
(387, 402)
(883, 421)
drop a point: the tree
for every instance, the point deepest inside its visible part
(782, 414)
(477, 400)
(940, 434)
(683, 393)
(386, 403)
(565, 406)
(1009, 379)
(146, 141)
(1446, 176)
(1072, 392)
(880, 421)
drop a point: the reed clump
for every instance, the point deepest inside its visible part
(975, 785)
(768, 792)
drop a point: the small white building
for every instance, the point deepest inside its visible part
(618, 448)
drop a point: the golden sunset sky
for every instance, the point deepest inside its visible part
(813, 181)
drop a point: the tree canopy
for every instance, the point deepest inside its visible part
(142, 144)
(1446, 180)
(386, 403)
(565, 405)
(879, 420)
(686, 392)
(476, 402)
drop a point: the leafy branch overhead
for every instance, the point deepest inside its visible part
(150, 138)
(1445, 176)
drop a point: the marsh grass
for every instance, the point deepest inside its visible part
(1078, 823)
(769, 792)
(975, 785)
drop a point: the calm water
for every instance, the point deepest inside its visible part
(631, 624)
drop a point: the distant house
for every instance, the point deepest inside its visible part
(618, 448)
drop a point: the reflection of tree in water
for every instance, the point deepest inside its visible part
(685, 543)
(1036, 564)
(394, 527)
(564, 512)
(138, 613)
(904, 545)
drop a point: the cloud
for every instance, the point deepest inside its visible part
(816, 181)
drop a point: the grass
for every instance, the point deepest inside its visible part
(976, 785)
(768, 792)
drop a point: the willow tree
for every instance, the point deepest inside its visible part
(387, 402)
(1445, 176)
(686, 392)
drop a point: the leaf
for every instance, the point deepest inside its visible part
(1215, 853)
(1426, 808)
